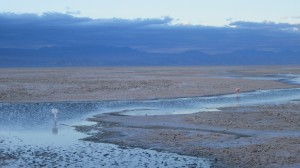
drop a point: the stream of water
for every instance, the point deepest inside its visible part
(31, 136)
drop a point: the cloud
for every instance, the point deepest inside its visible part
(296, 17)
(67, 20)
(265, 26)
(70, 11)
(149, 35)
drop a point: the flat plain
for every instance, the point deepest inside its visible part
(256, 136)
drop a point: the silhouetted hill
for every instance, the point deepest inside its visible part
(124, 56)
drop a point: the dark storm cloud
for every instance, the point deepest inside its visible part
(65, 20)
(152, 35)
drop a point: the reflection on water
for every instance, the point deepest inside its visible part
(26, 116)
(54, 113)
(290, 78)
(24, 119)
(25, 135)
(25, 127)
(295, 79)
(55, 129)
(198, 104)
(238, 99)
(20, 116)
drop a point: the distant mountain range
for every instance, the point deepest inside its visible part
(123, 56)
(59, 40)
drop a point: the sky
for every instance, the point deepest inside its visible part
(136, 29)
(155, 35)
(204, 12)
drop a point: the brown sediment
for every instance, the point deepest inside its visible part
(264, 136)
(85, 84)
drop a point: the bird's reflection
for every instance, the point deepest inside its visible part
(54, 115)
(237, 91)
(237, 102)
(55, 129)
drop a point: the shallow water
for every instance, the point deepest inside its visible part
(31, 136)
(37, 116)
(23, 115)
(85, 154)
(294, 79)
(29, 132)
(199, 104)
(290, 78)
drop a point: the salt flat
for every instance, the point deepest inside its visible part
(125, 83)
(240, 136)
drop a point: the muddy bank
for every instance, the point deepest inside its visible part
(265, 136)
(84, 84)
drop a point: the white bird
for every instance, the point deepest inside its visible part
(54, 113)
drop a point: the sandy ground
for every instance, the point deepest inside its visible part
(83, 84)
(265, 136)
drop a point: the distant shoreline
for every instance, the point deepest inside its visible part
(131, 83)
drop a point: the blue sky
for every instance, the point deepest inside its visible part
(139, 32)
(204, 12)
